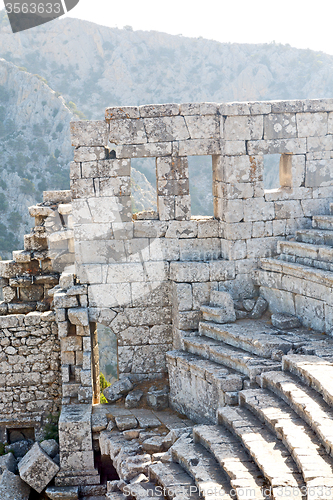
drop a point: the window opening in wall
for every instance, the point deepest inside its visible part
(271, 171)
(20, 434)
(277, 171)
(201, 185)
(107, 357)
(143, 185)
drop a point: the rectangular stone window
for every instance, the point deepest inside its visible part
(143, 185)
(277, 171)
(201, 185)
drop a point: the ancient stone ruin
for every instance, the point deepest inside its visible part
(233, 312)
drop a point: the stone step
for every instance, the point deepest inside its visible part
(243, 473)
(314, 371)
(254, 336)
(307, 251)
(322, 222)
(229, 356)
(174, 481)
(199, 386)
(315, 236)
(270, 455)
(204, 469)
(305, 261)
(302, 443)
(217, 314)
(306, 402)
(298, 271)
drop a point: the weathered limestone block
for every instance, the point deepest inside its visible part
(204, 249)
(133, 398)
(33, 293)
(193, 147)
(63, 493)
(164, 129)
(240, 169)
(183, 207)
(166, 207)
(203, 127)
(260, 307)
(75, 428)
(182, 296)
(234, 210)
(154, 110)
(118, 186)
(288, 209)
(243, 128)
(280, 126)
(173, 187)
(319, 173)
(285, 321)
(89, 133)
(37, 469)
(152, 149)
(104, 209)
(233, 148)
(118, 389)
(258, 209)
(127, 131)
(149, 229)
(50, 446)
(12, 487)
(134, 336)
(188, 272)
(126, 422)
(78, 316)
(276, 146)
(114, 113)
(311, 124)
(8, 293)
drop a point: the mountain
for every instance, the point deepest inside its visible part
(69, 69)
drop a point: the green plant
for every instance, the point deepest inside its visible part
(51, 427)
(2, 449)
(103, 384)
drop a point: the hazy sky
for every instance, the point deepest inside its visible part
(299, 23)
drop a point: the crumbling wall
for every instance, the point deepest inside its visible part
(152, 270)
(30, 388)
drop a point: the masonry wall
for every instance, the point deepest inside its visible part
(30, 386)
(133, 266)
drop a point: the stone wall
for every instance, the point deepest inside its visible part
(133, 264)
(30, 385)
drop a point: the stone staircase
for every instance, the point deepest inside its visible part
(300, 279)
(221, 359)
(276, 443)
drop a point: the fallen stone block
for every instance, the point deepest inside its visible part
(285, 321)
(133, 398)
(99, 422)
(133, 466)
(153, 445)
(126, 422)
(249, 304)
(12, 487)
(259, 308)
(131, 434)
(63, 492)
(50, 446)
(37, 469)
(20, 448)
(8, 462)
(118, 389)
(158, 400)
